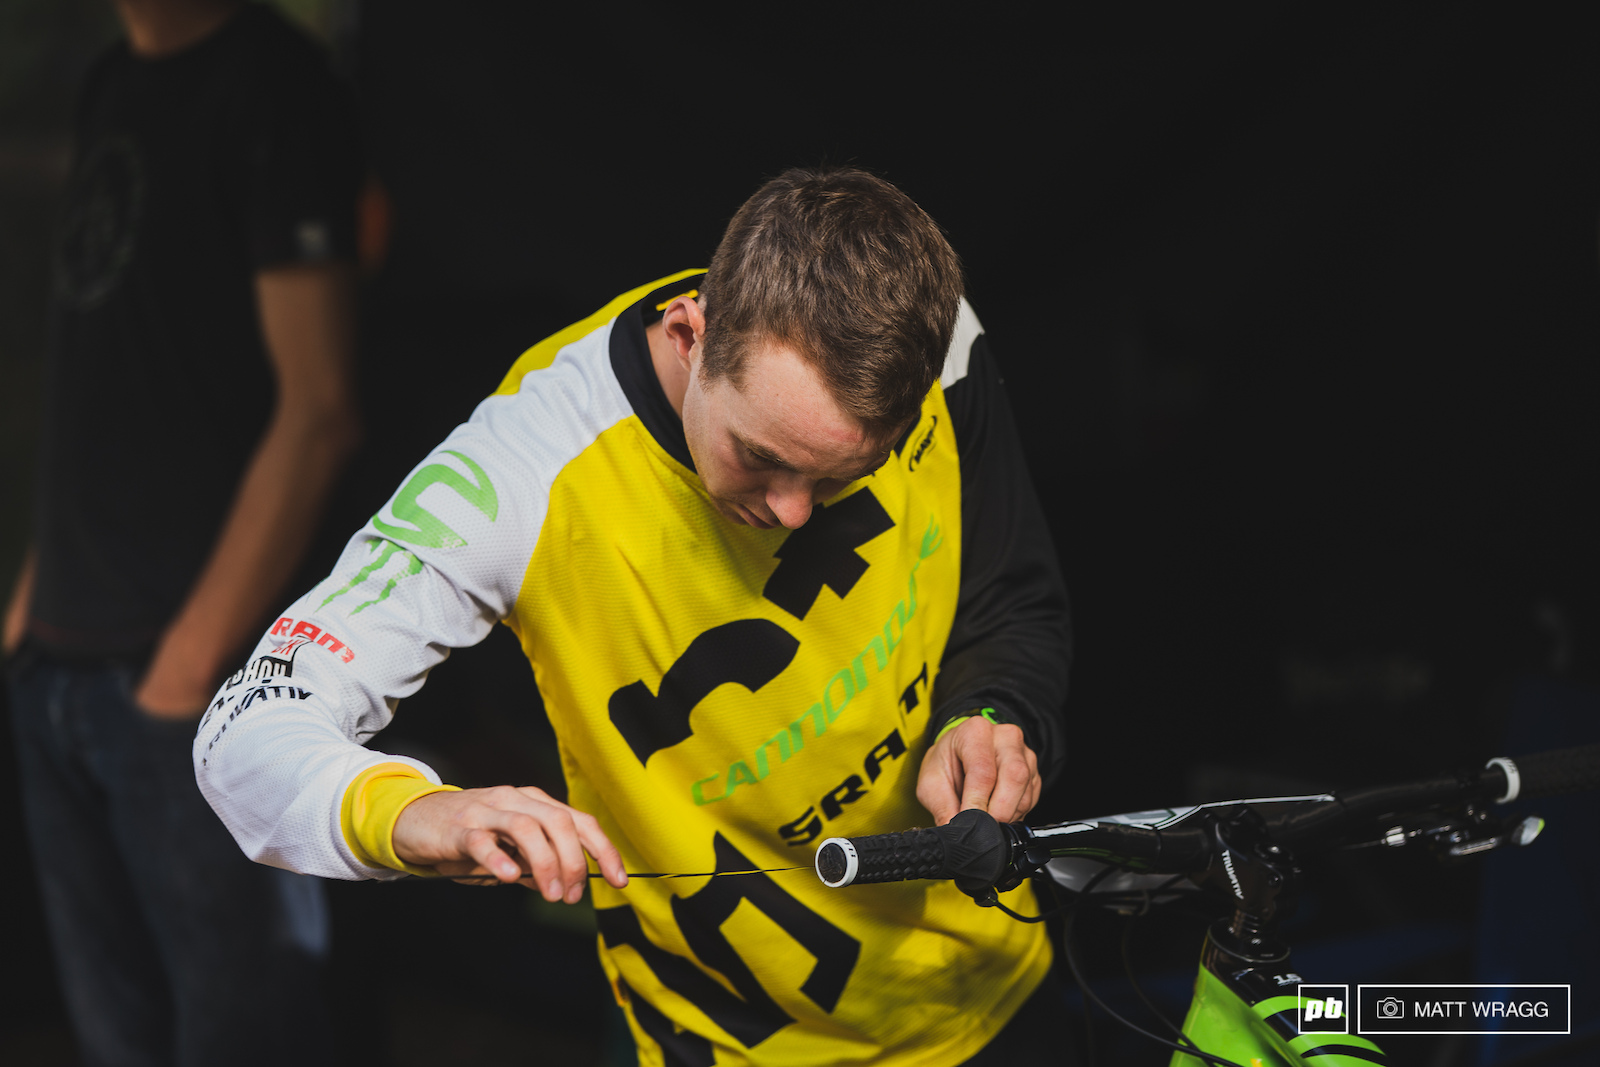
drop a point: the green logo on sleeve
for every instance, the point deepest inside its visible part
(430, 531)
(382, 552)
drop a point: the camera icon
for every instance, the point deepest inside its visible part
(1390, 1008)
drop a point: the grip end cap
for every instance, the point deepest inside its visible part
(837, 862)
(1513, 778)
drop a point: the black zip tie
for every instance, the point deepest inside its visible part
(490, 879)
(702, 874)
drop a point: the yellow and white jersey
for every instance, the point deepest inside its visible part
(724, 697)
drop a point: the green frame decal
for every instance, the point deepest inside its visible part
(1221, 1023)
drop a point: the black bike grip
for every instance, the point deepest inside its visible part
(1549, 774)
(971, 847)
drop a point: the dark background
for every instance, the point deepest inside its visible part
(1298, 316)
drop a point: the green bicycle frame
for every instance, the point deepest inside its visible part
(1240, 1013)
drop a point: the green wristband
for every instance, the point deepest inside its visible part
(987, 713)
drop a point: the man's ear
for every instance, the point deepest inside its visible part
(684, 324)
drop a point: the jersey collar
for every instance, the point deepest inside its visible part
(630, 361)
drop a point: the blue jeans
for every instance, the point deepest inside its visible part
(172, 947)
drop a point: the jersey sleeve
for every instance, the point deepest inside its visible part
(433, 570)
(1010, 645)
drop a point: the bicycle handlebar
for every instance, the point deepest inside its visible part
(977, 852)
(1554, 773)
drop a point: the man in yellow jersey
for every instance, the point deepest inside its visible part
(766, 537)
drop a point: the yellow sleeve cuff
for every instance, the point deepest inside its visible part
(372, 804)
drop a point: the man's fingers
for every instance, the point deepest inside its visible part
(1016, 774)
(1030, 796)
(936, 793)
(554, 838)
(575, 833)
(1023, 804)
(978, 784)
(1038, 779)
(547, 850)
(1012, 779)
(982, 765)
(484, 848)
(598, 845)
(515, 835)
(939, 784)
(574, 867)
(517, 846)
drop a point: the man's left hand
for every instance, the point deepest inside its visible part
(980, 764)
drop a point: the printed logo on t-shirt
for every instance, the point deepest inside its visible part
(98, 227)
(311, 238)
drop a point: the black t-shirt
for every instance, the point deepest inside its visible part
(192, 173)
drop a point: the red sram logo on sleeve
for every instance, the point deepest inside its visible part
(289, 628)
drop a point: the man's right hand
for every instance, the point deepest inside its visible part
(513, 834)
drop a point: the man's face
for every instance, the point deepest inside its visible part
(771, 449)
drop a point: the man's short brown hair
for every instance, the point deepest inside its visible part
(847, 270)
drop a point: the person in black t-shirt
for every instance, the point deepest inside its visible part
(202, 275)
